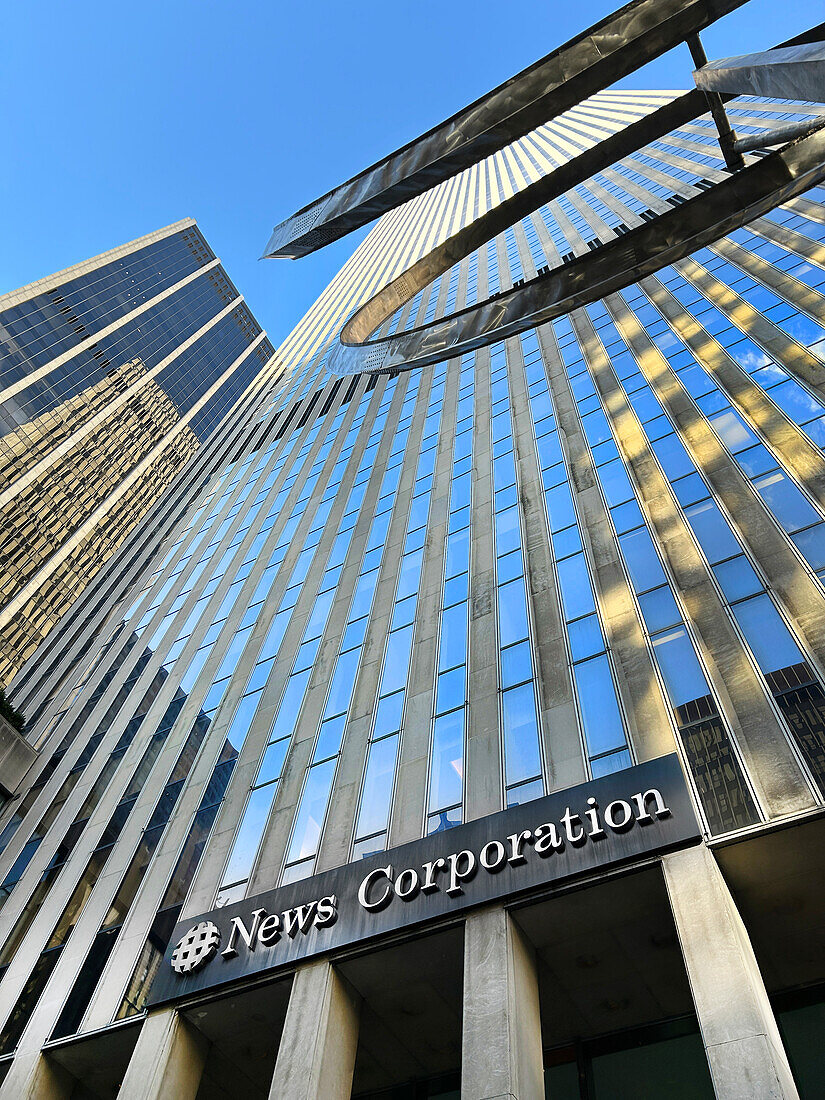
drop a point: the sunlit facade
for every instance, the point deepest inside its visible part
(112, 373)
(377, 609)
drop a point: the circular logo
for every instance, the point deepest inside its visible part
(196, 948)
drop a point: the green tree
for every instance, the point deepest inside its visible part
(14, 717)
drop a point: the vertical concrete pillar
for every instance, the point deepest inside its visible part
(316, 1057)
(167, 1061)
(501, 1041)
(37, 1078)
(741, 1038)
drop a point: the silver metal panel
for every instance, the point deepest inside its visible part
(643, 251)
(470, 237)
(597, 58)
(796, 72)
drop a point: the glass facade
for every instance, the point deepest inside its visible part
(396, 603)
(112, 374)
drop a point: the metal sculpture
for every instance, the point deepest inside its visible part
(615, 47)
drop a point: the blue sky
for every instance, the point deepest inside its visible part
(119, 119)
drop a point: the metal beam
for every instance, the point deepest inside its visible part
(796, 72)
(618, 45)
(440, 259)
(778, 136)
(670, 237)
(727, 137)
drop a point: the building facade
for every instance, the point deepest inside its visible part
(112, 373)
(464, 735)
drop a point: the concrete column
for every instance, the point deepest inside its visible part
(482, 782)
(167, 1061)
(37, 1078)
(501, 1042)
(316, 1057)
(742, 1041)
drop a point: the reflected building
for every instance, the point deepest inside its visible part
(113, 373)
(391, 619)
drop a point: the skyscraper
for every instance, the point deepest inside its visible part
(114, 372)
(466, 731)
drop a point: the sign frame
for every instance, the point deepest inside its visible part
(618, 820)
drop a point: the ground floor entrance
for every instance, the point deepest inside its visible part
(693, 975)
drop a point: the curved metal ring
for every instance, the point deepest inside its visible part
(672, 236)
(616, 46)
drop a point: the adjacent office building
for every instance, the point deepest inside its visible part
(113, 373)
(466, 733)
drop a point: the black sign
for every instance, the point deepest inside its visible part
(521, 851)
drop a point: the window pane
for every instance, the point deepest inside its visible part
(451, 690)
(504, 471)
(601, 718)
(243, 718)
(595, 427)
(566, 542)
(249, 834)
(290, 707)
(306, 655)
(315, 623)
(460, 491)
(298, 871)
(527, 792)
(313, 807)
(370, 846)
(811, 544)
(273, 761)
(577, 594)
(397, 660)
(786, 501)
(444, 819)
(673, 457)
(508, 533)
(456, 589)
(734, 432)
(362, 600)
(410, 574)
(446, 782)
(375, 801)
(260, 674)
(605, 765)
(766, 634)
(680, 668)
(689, 489)
(711, 529)
(615, 483)
(585, 637)
(560, 507)
(404, 612)
(458, 553)
(642, 560)
(330, 737)
(516, 666)
(388, 715)
(453, 649)
(512, 611)
(737, 578)
(509, 567)
(505, 498)
(521, 738)
(796, 401)
(627, 516)
(354, 634)
(343, 681)
(659, 609)
(196, 664)
(756, 460)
